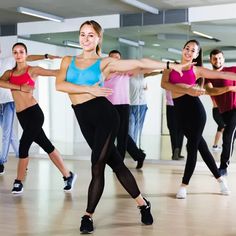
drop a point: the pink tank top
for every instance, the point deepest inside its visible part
(187, 78)
(21, 79)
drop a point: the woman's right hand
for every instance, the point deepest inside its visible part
(195, 91)
(98, 91)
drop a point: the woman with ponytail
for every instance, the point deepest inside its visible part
(190, 113)
(82, 78)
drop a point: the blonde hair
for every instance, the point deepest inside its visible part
(98, 30)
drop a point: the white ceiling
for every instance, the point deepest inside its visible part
(222, 30)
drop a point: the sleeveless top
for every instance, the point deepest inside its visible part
(22, 79)
(187, 78)
(87, 76)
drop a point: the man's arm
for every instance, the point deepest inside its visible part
(214, 91)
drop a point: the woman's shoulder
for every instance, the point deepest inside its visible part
(106, 60)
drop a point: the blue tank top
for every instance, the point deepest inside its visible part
(87, 76)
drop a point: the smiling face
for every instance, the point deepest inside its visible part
(19, 53)
(217, 61)
(89, 38)
(190, 51)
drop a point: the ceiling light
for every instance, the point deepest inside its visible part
(131, 42)
(174, 50)
(39, 14)
(203, 35)
(71, 44)
(142, 6)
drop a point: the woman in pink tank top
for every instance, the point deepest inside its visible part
(190, 113)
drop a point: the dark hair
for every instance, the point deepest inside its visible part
(114, 51)
(200, 81)
(215, 52)
(98, 30)
(198, 60)
(20, 44)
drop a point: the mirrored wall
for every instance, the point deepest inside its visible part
(161, 42)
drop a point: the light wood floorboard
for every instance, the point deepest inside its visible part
(45, 210)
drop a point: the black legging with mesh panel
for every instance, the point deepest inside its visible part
(99, 122)
(191, 116)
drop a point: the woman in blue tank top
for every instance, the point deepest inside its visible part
(190, 112)
(82, 78)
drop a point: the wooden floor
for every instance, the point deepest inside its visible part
(45, 210)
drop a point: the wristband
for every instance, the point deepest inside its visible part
(46, 56)
(167, 65)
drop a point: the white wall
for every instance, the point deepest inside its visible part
(151, 136)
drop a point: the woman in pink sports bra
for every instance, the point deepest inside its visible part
(21, 80)
(190, 113)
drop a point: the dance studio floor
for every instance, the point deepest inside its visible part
(45, 210)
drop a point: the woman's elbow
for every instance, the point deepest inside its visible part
(163, 85)
(59, 86)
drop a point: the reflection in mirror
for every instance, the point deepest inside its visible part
(161, 42)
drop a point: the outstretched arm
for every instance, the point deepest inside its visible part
(144, 64)
(37, 70)
(41, 57)
(67, 87)
(213, 74)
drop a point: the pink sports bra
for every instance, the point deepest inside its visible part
(187, 78)
(21, 79)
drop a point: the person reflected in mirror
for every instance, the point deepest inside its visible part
(138, 107)
(119, 83)
(175, 131)
(220, 126)
(21, 81)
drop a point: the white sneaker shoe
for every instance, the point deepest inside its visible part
(224, 189)
(182, 193)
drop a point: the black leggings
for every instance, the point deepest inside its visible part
(176, 133)
(122, 135)
(31, 120)
(229, 133)
(218, 118)
(124, 140)
(191, 116)
(99, 123)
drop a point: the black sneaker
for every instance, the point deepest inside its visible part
(86, 226)
(17, 187)
(69, 182)
(2, 169)
(223, 172)
(146, 216)
(141, 160)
